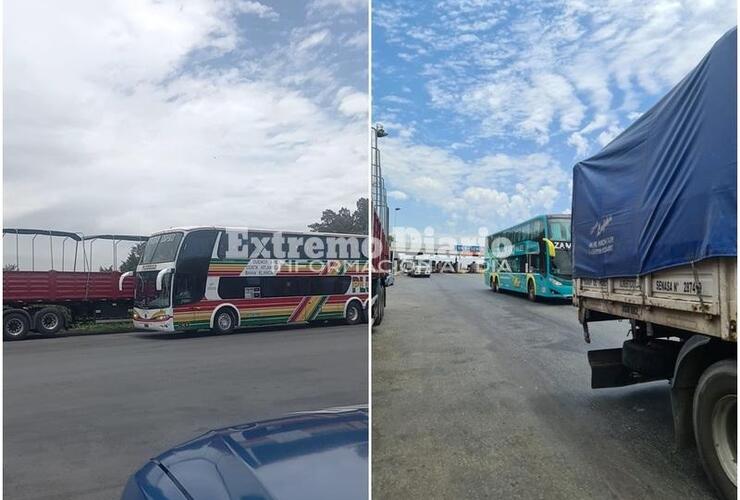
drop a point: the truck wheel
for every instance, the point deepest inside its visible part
(531, 295)
(15, 326)
(224, 322)
(48, 321)
(354, 313)
(379, 308)
(656, 358)
(715, 425)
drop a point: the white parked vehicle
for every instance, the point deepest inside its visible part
(421, 268)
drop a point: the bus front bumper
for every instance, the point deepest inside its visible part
(158, 321)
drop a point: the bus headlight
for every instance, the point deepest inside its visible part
(555, 282)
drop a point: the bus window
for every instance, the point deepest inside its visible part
(330, 285)
(514, 264)
(534, 264)
(192, 266)
(239, 287)
(223, 245)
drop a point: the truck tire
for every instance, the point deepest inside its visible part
(15, 326)
(224, 321)
(379, 307)
(715, 425)
(655, 358)
(48, 321)
(353, 315)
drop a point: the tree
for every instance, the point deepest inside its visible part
(133, 258)
(10, 267)
(344, 220)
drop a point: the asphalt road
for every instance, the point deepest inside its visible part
(483, 395)
(83, 413)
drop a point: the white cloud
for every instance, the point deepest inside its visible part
(259, 9)
(342, 5)
(607, 135)
(398, 195)
(108, 129)
(396, 99)
(354, 104)
(579, 142)
(531, 76)
(494, 190)
(315, 39)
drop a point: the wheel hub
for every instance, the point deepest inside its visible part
(224, 321)
(14, 326)
(49, 321)
(352, 314)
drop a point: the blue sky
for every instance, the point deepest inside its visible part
(131, 116)
(489, 104)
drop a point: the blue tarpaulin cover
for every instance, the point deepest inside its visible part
(664, 192)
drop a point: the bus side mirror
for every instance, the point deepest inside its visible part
(550, 247)
(123, 277)
(160, 277)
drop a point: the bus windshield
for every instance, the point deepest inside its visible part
(560, 265)
(161, 248)
(146, 294)
(559, 232)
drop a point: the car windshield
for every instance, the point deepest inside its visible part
(146, 294)
(161, 248)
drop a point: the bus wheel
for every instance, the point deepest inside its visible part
(224, 321)
(531, 295)
(715, 425)
(494, 285)
(15, 326)
(354, 313)
(48, 321)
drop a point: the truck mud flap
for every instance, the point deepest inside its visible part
(607, 370)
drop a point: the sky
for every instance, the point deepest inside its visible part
(489, 104)
(132, 116)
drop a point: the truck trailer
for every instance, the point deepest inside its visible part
(654, 223)
(47, 302)
(381, 259)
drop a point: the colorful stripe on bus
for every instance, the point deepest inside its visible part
(260, 312)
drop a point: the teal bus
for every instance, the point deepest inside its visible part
(533, 257)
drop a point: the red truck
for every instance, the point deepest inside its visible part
(48, 301)
(382, 275)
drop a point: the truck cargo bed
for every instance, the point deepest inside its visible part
(699, 298)
(54, 286)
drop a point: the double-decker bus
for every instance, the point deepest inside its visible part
(533, 257)
(219, 279)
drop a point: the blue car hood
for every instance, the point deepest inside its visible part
(311, 455)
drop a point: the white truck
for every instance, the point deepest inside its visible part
(654, 227)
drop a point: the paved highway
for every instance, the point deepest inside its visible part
(83, 413)
(483, 395)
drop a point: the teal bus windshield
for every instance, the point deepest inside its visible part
(533, 257)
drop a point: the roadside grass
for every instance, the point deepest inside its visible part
(122, 326)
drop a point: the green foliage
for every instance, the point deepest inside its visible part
(344, 220)
(133, 258)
